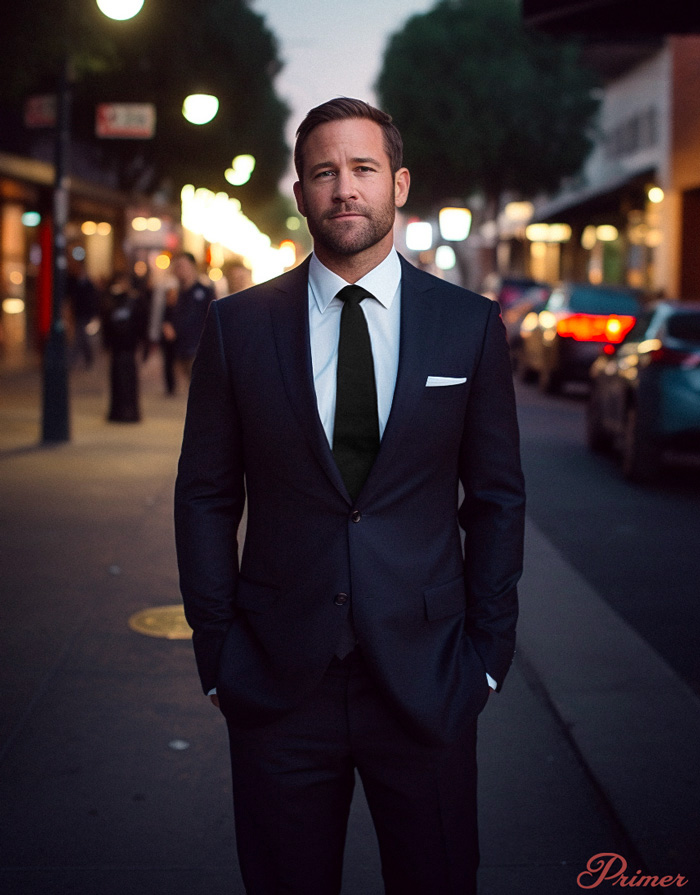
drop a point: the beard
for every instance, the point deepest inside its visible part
(350, 237)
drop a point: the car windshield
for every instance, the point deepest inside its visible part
(685, 326)
(603, 301)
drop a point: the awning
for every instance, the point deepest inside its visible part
(602, 198)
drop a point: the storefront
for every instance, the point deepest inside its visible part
(94, 233)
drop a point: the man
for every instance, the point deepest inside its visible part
(184, 326)
(357, 634)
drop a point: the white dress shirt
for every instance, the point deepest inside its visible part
(383, 315)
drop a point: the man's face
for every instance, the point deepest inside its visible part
(185, 272)
(348, 194)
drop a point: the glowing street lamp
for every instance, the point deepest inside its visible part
(240, 171)
(419, 236)
(455, 223)
(200, 108)
(121, 10)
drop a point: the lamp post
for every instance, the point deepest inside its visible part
(55, 409)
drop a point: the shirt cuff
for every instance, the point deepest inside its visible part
(491, 682)
(212, 692)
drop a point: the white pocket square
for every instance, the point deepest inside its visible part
(445, 380)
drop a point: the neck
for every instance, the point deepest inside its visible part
(353, 267)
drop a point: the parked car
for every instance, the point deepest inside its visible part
(533, 299)
(507, 290)
(645, 395)
(560, 343)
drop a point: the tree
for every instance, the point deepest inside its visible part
(484, 104)
(172, 48)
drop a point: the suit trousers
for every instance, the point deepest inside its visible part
(293, 782)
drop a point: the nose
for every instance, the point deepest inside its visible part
(344, 186)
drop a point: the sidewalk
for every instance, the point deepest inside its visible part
(113, 767)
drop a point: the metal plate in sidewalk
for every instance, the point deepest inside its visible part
(162, 621)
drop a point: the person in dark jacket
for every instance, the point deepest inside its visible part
(190, 311)
(84, 302)
(124, 331)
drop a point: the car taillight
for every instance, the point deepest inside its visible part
(595, 327)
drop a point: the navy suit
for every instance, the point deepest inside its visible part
(431, 618)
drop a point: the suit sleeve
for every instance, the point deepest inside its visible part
(209, 501)
(492, 513)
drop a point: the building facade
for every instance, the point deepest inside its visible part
(633, 214)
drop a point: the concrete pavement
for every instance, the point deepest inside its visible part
(113, 767)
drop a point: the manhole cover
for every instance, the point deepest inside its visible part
(162, 621)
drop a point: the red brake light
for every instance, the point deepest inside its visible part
(595, 327)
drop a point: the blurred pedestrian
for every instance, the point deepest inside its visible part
(168, 341)
(345, 401)
(238, 276)
(123, 335)
(83, 298)
(193, 299)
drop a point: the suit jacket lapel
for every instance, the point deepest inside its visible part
(290, 320)
(419, 327)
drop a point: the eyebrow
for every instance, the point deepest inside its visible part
(361, 160)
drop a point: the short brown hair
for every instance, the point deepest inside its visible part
(339, 109)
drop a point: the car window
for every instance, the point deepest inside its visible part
(556, 300)
(684, 326)
(603, 301)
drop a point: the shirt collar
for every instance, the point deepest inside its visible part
(382, 281)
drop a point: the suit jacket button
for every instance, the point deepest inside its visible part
(356, 516)
(340, 599)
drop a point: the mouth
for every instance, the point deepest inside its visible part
(345, 215)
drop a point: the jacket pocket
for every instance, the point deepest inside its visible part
(445, 599)
(253, 596)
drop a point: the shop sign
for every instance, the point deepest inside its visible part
(125, 121)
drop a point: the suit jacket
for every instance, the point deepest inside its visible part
(431, 616)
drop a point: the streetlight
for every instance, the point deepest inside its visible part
(241, 170)
(55, 414)
(419, 236)
(121, 10)
(200, 108)
(455, 223)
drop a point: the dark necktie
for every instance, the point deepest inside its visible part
(356, 426)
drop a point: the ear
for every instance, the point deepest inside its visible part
(299, 196)
(402, 183)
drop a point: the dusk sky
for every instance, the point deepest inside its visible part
(332, 48)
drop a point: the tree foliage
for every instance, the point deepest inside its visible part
(484, 104)
(171, 49)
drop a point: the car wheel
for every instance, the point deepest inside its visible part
(641, 458)
(597, 438)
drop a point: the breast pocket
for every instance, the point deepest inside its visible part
(455, 392)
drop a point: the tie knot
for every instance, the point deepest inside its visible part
(353, 294)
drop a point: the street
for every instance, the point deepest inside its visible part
(114, 767)
(638, 546)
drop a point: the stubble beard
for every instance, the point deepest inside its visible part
(353, 236)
